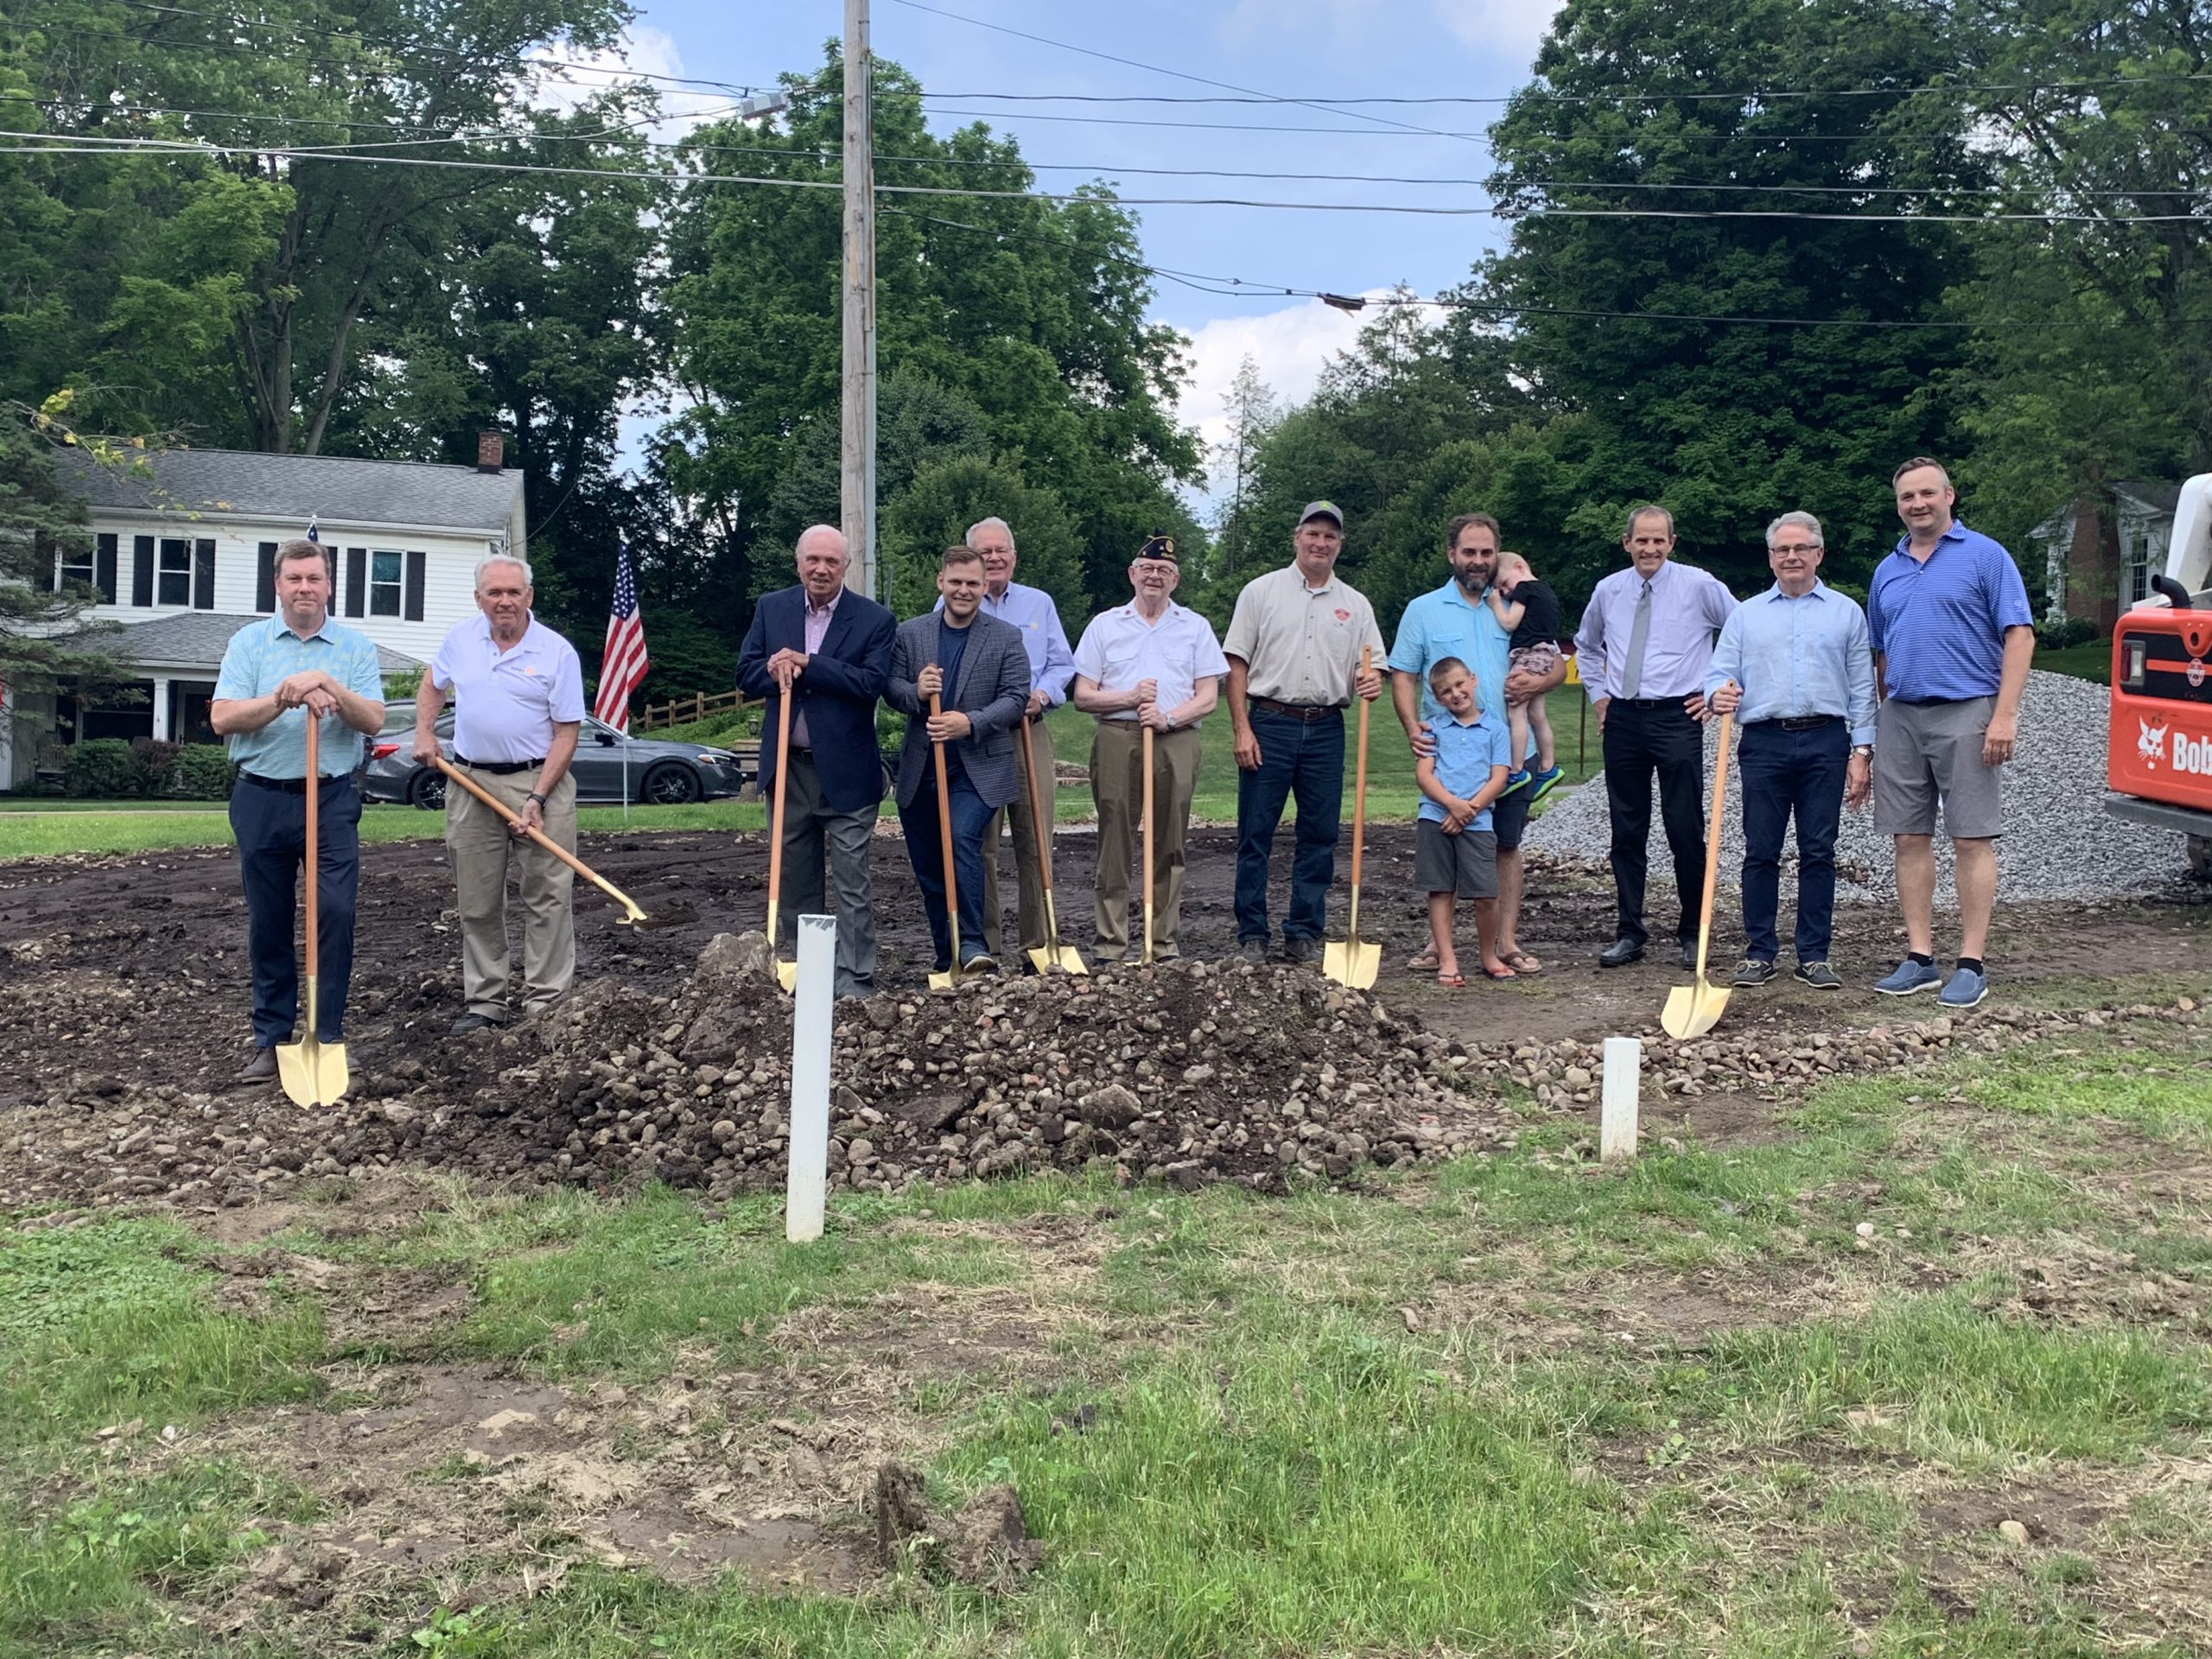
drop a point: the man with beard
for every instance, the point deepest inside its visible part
(1454, 620)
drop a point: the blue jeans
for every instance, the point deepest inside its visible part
(1788, 774)
(271, 827)
(1305, 758)
(970, 817)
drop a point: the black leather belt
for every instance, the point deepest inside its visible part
(1936, 702)
(290, 785)
(1801, 722)
(1296, 710)
(500, 768)
(1646, 703)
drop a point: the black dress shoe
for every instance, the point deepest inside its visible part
(469, 1023)
(1620, 953)
(1689, 953)
(261, 1068)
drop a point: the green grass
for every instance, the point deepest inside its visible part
(1390, 1422)
(2092, 661)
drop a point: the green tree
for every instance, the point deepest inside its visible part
(44, 647)
(945, 497)
(1253, 416)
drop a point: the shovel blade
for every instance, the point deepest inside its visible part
(787, 976)
(1693, 1010)
(1046, 957)
(1352, 962)
(946, 981)
(313, 1073)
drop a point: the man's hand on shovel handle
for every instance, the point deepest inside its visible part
(530, 819)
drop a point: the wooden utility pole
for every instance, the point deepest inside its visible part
(857, 483)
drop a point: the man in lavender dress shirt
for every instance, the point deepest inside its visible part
(1644, 647)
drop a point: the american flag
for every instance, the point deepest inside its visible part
(624, 663)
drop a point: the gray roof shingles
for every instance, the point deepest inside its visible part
(334, 489)
(195, 639)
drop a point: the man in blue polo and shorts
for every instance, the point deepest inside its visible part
(1454, 621)
(1948, 616)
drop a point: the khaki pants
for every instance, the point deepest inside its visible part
(1117, 786)
(1028, 874)
(483, 849)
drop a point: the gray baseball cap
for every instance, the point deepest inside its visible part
(1323, 510)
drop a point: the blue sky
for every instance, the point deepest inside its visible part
(1287, 49)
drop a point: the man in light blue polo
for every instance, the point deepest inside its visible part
(275, 675)
(1051, 668)
(1794, 667)
(519, 709)
(1453, 621)
(1948, 617)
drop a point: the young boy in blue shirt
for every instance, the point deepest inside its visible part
(1455, 853)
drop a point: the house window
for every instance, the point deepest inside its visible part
(386, 573)
(75, 567)
(174, 574)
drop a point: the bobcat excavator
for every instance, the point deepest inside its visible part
(2158, 760)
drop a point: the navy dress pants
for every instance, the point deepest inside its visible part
(1791, 775)
(271, 827)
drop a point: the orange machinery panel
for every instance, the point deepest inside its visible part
(2161, 737)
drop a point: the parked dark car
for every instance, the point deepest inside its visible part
(661, 773)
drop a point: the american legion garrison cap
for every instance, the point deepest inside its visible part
(1158, 547)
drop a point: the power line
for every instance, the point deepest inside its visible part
(1155, 69)
(59, 144)
(1762, 95)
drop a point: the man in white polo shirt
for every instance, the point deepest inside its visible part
(1150, 662)
(519, 693)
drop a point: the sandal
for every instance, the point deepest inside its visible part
(1521, 962)
(1451, 981)
(1499, 973)
(1422, 961)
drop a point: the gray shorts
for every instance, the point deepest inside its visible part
(1928, 752)
(1465, 863)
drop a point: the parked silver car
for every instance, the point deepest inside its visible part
(660, 773)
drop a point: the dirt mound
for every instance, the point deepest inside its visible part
(1188, 1072)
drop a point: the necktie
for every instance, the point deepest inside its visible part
(1638, 635)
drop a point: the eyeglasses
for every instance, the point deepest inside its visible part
(1798, 547)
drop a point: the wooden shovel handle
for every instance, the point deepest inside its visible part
(776, 814)
(537, 835)
(1712, 843)
(1037, 821)
(314, 858)
(1359, 787)
(944, 834)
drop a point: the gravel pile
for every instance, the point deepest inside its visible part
(2059, 842)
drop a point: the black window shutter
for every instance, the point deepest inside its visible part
(412, 604)
(103, 568)
(264, 584)
(357, 581)
(45, 555)
(142, 570)
(203, 575)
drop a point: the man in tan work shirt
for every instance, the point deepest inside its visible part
(1293, 648)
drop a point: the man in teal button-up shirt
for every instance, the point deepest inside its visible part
(276, 676)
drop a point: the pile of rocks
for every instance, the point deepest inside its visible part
(2059, 842)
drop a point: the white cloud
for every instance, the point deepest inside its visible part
(1290, 348)
(644, 50)
(1514, 27)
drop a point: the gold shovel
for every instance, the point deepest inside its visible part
(1693, 1010)
(312, 1074)
(1146, 853)
(786, 972)
(1054, 953)
(1355, 962)
(951, 977)
(634, 914)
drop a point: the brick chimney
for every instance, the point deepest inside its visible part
(491, 451)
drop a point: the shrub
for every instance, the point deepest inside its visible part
(204, 771)
(153, 766)
(2066, 631)
(100, 768)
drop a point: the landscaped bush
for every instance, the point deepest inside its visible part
(204, 772)
(2065, 632)
(153, 766)
(100, 768)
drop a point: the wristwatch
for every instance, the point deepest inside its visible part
(539, 798)
(1862, 751)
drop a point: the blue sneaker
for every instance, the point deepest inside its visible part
(1965, 990)
(1514, 780)
(1907, 977)
(1546, 782)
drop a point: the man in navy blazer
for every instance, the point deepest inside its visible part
(830, 649)
(980, 669)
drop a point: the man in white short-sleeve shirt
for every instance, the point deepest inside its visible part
(519, 705)
(1149, 663)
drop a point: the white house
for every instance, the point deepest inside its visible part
(181, 552)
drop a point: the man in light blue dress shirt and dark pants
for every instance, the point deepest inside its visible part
(1948, 616)
(1794, 665)
(275, 675)
(1644, 647)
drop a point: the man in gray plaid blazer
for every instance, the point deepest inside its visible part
(980, 669)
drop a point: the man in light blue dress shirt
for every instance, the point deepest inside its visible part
(1644, 647)
(1051, 668)
(1795, 667)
